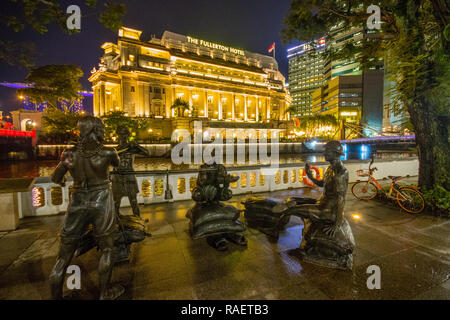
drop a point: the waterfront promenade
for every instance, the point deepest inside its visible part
(413, 253)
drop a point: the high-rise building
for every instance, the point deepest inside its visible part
(353, 99)
(305, 74)
(335, 68)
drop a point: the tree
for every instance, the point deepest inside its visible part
(115, 119)
(181, 106)
(416, 52)
(291, 110)
(59, 126)
(17, 15)
(52, 84)
(316, 125)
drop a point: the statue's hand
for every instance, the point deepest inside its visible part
(308, 169)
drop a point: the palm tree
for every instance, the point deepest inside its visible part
(180, 105)
(291, 110)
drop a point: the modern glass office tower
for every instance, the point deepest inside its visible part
(305, 74)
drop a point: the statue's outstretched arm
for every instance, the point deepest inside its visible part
(142, 151)
(58, 174)
(115, 160)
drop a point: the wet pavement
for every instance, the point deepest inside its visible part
(413, 253)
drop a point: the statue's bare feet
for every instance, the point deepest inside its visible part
(113, 292)
(237, 238)
(218, 243)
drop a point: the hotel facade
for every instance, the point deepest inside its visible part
(225, 87)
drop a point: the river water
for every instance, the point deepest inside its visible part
(43, 168)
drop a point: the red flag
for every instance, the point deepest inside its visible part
(272, 47)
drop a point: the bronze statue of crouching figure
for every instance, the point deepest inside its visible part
(327, 239)
(209, 218)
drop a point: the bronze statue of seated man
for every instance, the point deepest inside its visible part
(327, 239)
(209, 218)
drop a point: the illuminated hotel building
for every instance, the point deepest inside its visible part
(305, 74)
(225, 87)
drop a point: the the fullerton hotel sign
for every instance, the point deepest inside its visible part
(212, 45)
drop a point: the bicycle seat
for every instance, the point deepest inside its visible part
(394, 177)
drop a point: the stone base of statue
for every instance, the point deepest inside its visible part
(328, 251)
(130, 229)
(259, 214)
(213, 219)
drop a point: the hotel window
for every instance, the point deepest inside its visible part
(132, 89)
(150, 89)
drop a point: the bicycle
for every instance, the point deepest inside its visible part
(407, 197)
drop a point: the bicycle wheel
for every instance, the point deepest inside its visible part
(410, 200)
(364, 190)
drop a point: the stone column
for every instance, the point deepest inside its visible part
(146, 106)
(96, 101)
(102, 100)
(245, 107)
(190, 98)
(206, 104)
(220, 107)
(174, 96)
(256, 109)
(232, 106)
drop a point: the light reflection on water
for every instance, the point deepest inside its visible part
(43, 168)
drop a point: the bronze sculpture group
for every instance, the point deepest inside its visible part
(327, 239)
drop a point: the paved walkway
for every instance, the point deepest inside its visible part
(413, 253)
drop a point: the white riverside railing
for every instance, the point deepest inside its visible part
(47, 198)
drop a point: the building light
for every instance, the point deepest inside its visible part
(195, 96)
(345, 113)
(196, 73)
(151, 67)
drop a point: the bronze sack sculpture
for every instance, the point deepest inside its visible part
(209, 218)
(327, 239)
(91, 202)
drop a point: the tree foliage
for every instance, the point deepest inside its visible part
(315, 125)
(53, 83)
(38, 15)
(115, 119)
(416, 53)
(59, 126)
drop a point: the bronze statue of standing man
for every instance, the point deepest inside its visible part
(124, 183)
(91, 202)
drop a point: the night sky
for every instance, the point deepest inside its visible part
(248, 24)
